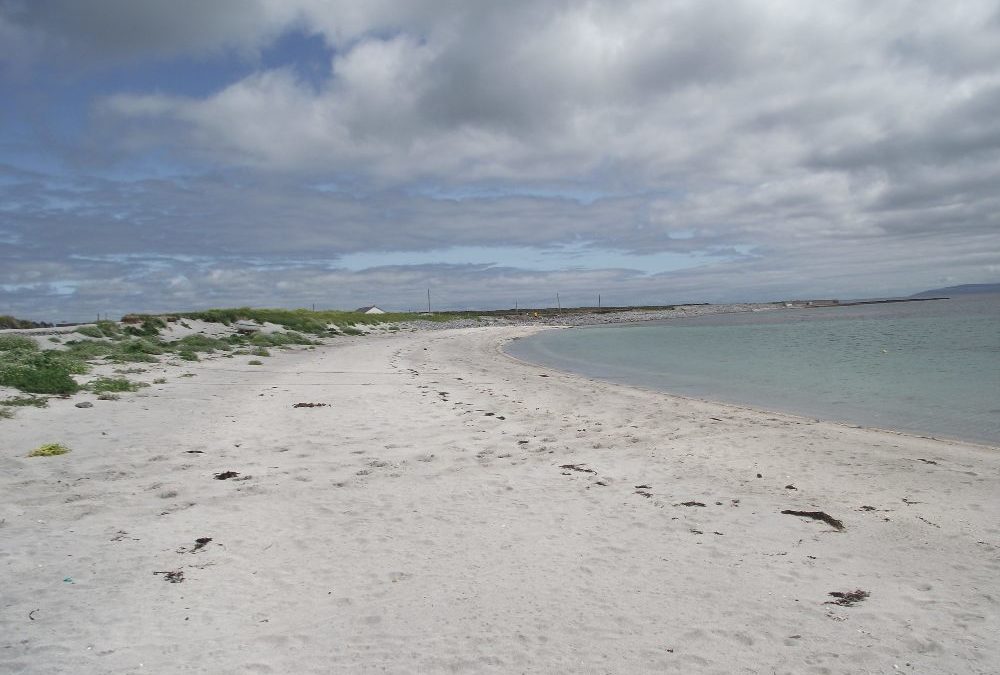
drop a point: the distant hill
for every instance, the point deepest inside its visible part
(964, 289)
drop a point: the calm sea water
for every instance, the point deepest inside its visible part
(925, 367)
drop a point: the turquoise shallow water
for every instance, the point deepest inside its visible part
(925, 367)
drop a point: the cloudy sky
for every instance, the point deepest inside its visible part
(164, 155)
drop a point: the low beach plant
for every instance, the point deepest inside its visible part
(87, 350)
(314, 322)
(140, 350)
(134, 350)
(40, 372)
(110, 329)
(279, 339)
(114, 384)
(255, 362)
(259, 351)
(149, 327)
(20, 401)
(6, 413)
(103, 329)
(108, 397)
(12, 343)
(49, 450)
(198, 343)
(90, 331)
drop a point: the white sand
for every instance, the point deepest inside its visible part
(402, 529)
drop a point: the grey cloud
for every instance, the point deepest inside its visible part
(952, 42)
(113, 31)
(832, 147)
(496, 92)
(78, 289)
(647, 92)
(968, 128)
(236, 240)
(250, 216)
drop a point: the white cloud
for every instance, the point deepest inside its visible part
(845, 145)
(651, 91)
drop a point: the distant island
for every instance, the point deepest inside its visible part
(964, 289)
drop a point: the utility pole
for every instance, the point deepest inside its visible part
(598, 301)
(428, 300)
(558, 303)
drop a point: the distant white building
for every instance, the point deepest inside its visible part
(369, 310)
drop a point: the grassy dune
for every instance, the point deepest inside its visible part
(138, 339)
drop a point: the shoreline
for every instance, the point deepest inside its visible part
(451, 508)
(918, 370)
(741, 406)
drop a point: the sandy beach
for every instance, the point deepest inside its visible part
(449, 509)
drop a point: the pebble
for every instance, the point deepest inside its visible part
(84, 404)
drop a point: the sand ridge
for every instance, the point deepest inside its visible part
(453, 510)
